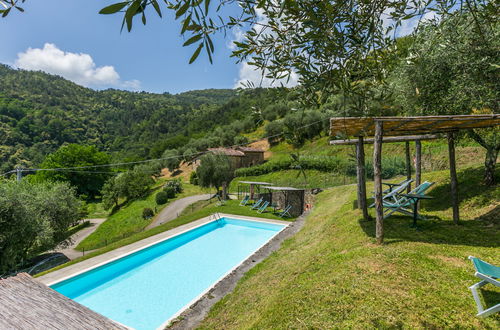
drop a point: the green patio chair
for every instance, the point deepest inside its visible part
(394, 202)
(245, 200)
(256, 205)
(392, 193)
(285, 212)
(488, 274)
(263, 207)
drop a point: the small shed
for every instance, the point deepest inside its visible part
(26, 303)
(281, 197)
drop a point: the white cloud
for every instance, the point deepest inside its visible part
(79, 68)
(250, 74)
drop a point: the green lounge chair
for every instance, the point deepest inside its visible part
(285, 212)
(393, 202)
(263, 207)
(488, 274)
(394, 190)
(256, 205)
(245, 200)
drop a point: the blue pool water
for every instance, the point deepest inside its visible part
(146, 288)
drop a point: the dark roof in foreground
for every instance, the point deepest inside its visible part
(26, 303)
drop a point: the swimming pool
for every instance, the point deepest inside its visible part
(150, 287)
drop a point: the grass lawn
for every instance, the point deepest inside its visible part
(199, 210)
(331, 274)
(128, 219)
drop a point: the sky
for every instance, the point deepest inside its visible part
(71, 39)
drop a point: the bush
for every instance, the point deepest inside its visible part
(176, 185)
(320, 163)
(193, 178)
(147, 213)
(169, 192)
(161, 198)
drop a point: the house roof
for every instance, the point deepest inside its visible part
(26, 303)
(257, 183)
(284, 188)
(397, 126)
(250, 149)
(227, 151)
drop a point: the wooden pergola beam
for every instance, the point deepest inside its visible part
(387, 139)
(361, 176)
(377, 175)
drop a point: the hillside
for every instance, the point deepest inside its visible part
(40, 112)
(332, 275)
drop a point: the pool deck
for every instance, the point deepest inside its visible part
(85, 265)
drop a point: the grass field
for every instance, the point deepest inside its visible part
(332, 274)
(128, 219)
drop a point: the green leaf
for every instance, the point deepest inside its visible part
(131, 12)
(143, 18)
(186, 24)
(182, 10)
(113, 8)
(192, 40)
(156, 7)
(196, 53)
(207, 4)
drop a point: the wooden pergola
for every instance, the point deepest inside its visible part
(398, 129)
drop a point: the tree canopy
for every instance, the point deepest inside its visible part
(80, 173)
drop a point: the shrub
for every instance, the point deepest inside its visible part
(169, 192)
(161, 197)
(147, 213)
(193, 178)
(176, 185)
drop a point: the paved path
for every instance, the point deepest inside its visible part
(175, 208)
(79, 236)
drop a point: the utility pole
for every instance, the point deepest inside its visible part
(19, 172)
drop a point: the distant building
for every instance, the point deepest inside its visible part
(239, 156)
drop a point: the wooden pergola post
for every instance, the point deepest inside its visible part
(377, 174)
(408, 164)
(418, 163)
(453, 177)
(361, 176)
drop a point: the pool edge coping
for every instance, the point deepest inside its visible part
(65, 273)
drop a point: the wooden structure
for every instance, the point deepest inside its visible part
(26, 303)
(254, 187)
(404, 129)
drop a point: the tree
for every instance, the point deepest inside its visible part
(85, 172)
(34, 217)
(453, 69)
(215, 170)
(171, 159)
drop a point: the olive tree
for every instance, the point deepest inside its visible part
(216, 171)
(34, 217)
(452, 68)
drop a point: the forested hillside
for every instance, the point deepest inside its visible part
(40, 112)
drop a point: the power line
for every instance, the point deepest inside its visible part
(151, 160)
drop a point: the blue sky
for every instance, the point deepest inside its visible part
(149, 58)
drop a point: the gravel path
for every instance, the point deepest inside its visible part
(70, 251)
(174, 209)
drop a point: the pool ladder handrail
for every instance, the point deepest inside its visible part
(215, 217)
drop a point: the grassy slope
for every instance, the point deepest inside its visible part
(128, 220)
(332, 275)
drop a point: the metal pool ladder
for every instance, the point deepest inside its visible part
(216, 217)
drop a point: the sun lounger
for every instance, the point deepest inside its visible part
(488, 274)
(285, 212)
(393, 192)
(393, 202)
(256, 205)
(245, 200)
(263, 207)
